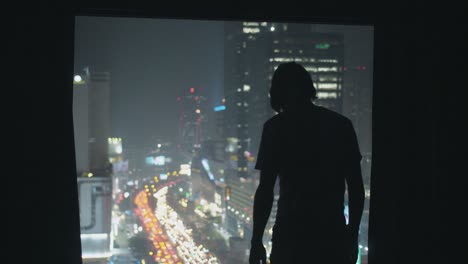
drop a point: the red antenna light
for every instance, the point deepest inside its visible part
(192, 90)
(178, 98)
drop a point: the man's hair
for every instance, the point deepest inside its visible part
(290, 83)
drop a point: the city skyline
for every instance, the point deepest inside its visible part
(152, 62)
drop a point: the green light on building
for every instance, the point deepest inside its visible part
(322, 45)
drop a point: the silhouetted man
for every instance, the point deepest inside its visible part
(315, 154)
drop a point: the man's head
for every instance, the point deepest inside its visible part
(291, 85)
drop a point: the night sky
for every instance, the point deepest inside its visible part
(152, 61)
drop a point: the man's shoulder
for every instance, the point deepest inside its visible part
(333, 116)
(272, 121)
(324, 114)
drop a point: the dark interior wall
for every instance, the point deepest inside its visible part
(416, 206)
(44, 211)
(417, 191)
(43, 197)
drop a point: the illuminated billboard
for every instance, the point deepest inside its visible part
(156, 161)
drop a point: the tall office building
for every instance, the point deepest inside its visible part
(358, 103)
(81, 123)
(100, 122)
(91, 117)
(92, 124)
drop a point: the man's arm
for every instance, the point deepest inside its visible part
(356, 196)
(354, 181)
(263, 202)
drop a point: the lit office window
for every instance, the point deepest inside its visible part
(328, 60)
(328, 69)
(328, 78)
(311, 69)
(326, 95)
(327, 86)
(251, 24)
(249, 30)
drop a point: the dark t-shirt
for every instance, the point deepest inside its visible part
(311, 151)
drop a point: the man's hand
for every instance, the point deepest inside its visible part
(257, 253)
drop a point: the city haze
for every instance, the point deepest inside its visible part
(151, 62)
